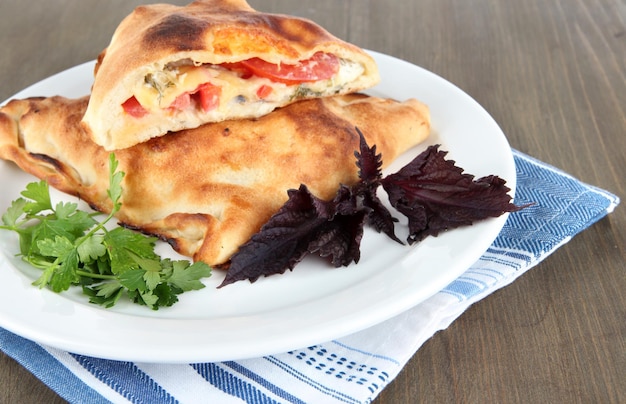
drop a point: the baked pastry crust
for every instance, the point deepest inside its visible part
(208, 190)
(161, 51)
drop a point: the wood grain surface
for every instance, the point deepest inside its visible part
(553, 75)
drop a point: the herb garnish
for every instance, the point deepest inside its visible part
(72, 248)
(431, 191)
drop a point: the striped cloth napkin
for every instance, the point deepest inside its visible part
(353, 369)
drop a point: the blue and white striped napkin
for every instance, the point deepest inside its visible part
(353, 369)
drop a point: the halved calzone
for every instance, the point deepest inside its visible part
(169, 68)
(208, 190)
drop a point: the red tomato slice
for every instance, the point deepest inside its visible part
(238, 67)
(321, 66)
(133, 108)
(208, 96)
(181, 102)
(263, 92)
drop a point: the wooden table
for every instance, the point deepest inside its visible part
(553, 75)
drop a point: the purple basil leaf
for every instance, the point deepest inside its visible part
(370, 173)
(379, 217)
(280, 244)
(340, 239)
(369, 162)
(436, 195)
(305, 224)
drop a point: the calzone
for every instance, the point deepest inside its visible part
(169, 68)
(207, 190)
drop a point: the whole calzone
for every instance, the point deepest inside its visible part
(169, 68)
(208, 190)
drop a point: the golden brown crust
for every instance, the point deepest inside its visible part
(207, 190)
(227, 30)
(207, 32)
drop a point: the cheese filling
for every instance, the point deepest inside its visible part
(240, 94)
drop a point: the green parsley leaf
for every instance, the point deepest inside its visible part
(74, 221)
(45, 277)
(187, 277)
(108, 289)
(149, 299)
(106, 294)
(115, 182)
(26, 240)
(65, 275)
(133, 280)
(71, 248)
(39, 194)
(152, 278)
(64, 209)
(13, 213)
(167, 295)
(91, 248)
(121, 243)
(147, 264)
(50, 227)
(59, 247)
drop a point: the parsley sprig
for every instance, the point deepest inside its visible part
(72, 247)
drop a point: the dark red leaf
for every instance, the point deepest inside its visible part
(432, 192)
(369, 162)
(305, 224)
(436, 195)
(340, 239)
(370, 174)
(379, 217)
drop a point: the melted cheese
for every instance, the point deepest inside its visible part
(160, 91)
(238, 95)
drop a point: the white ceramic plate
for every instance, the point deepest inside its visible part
(313, 304)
